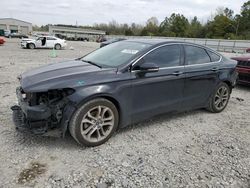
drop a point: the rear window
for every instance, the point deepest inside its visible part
(214, 57)
(50, 38)
(196, 55)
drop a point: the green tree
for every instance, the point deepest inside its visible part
(176, 25)
(129, 32)
(151, 27)
(222, 26)
(195, 28)
(228, 13)
(244, 20)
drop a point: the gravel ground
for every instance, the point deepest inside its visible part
(192, 149)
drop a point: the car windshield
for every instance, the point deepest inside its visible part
(115, 54)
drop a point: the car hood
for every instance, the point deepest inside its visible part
(26, 40)
(69, 74)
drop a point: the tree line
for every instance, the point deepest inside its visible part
(223, 24)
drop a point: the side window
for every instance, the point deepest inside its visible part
(214, 56)
(167, 56)
(196, 55)
(50, 38)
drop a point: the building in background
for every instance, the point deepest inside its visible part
(11, 25)
(75, 33)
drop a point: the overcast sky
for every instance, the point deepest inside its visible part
(88, 12)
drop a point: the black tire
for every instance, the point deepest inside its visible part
(58, 47)
(212, 105)
(75, 125)
(31, 46)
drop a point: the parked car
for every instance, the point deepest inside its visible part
(123, 83)
(243, 68)
(2, 40)
(101, 39)
(248, 50)
(17, 35)
(105, 43)
(6, 32)
(85, 39)
(72, 38)
(44, 42)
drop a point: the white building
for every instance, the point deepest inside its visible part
(15, 26)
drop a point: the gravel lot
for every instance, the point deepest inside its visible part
(192, 149)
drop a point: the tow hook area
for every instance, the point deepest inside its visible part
(18, 118)
(22, 124)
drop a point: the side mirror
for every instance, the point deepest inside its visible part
(148, 67)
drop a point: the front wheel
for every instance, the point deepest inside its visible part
(94, 122)
(31, 46)
(219, 99)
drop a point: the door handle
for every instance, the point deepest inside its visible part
(177, 73)
(215, 69)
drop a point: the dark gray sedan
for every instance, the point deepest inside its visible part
(123, 83)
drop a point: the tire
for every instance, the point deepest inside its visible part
(31, 46)
(218, 102)
(89, 130)
(58, 47)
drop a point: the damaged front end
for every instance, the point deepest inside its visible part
(43, 112)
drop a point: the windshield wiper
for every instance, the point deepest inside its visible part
(92, 63)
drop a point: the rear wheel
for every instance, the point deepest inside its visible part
(31, 46)
(94, 122)
(219, 100)
(58, 47)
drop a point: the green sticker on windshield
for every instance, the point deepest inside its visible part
(80, 83)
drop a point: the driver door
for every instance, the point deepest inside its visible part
(162, 91)
(39, 42)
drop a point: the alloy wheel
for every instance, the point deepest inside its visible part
(97, 123)
(221, 97)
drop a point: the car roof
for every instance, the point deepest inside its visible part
(154, 41)
(157, 42)
(161, 41)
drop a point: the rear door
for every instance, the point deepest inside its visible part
(50, 42)
(162, 91)
(202, 69)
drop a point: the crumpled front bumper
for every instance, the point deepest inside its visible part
(26, 117)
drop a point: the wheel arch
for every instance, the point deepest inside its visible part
(57, 44)
(105, 96)
(65, 123)
(229, 84)
(27, 45)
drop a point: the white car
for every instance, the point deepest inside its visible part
(44, 42)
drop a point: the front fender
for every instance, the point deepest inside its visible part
(83, 94)
(119, 94)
